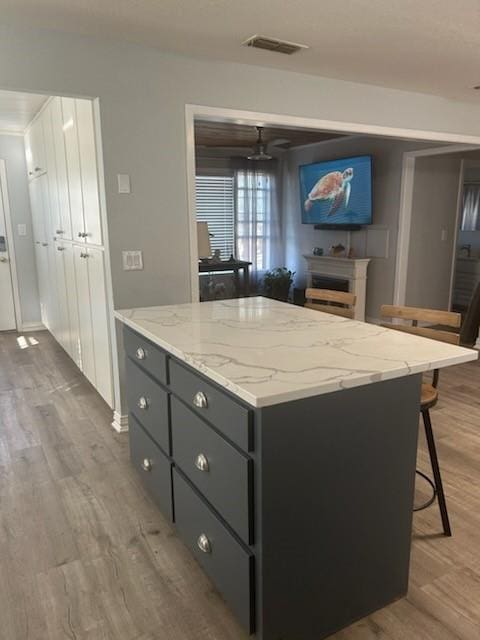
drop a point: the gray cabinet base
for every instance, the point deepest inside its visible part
(334, 499)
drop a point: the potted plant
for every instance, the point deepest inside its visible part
(277, 283)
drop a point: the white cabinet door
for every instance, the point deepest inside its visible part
(41, 258)
(70, 132)
(29, 153)
(65, 225)
(84, 312)
(38, 211)
(63, 331)
(75, 349)
(89, 173)
(37, 145)
(100, 324)
(52, 181)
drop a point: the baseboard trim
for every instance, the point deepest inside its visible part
(120, 422)
(32, 326)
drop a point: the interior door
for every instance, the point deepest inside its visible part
(7, 308)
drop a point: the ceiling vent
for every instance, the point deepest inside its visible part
(272, 44)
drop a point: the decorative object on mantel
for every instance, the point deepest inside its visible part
(277, 283)
(337, 250)
(351, 253)
(352, 269)
(317, 251)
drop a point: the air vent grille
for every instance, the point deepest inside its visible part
(272, 44)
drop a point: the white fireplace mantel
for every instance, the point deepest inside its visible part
(352, 269)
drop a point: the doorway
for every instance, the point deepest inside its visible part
(7, 294)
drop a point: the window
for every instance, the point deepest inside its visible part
(254, 192)
(471, 207)
(216, 206)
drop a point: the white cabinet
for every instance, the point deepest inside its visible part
(67, 230)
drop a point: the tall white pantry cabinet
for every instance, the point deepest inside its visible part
(60, 148)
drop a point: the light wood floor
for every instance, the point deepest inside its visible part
(84, 554)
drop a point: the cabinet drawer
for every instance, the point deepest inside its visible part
(145, 354)
(216, 468)
(223, 412)
(225, 561)
(154, 467)
(149, 404)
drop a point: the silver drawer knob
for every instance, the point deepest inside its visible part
(142, 403)
(60, 248)
(203, 543)
(147, 464)
(201, 463)
(200, 400)
(140, 354)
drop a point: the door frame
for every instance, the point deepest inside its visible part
(458, 142)
(10, 244)
(405, 214)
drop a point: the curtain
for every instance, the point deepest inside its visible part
(257, 218)
(471, 207)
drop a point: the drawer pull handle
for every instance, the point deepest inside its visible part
(201, 463)
(140, 354)
(142, 403)
(203, 543)
(147, 464)
(200, 400)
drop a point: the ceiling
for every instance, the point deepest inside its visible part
(431, 46)
(17, 109)
(229, 134)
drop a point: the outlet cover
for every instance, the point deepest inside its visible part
(132, 260)
(22, 229)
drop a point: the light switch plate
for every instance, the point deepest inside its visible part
(22, 229)
(123, 180)
(132, 260)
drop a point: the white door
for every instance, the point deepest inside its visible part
(81, 256)
(100, 324)
(7, 309)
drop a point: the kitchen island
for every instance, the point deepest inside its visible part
(281, 442)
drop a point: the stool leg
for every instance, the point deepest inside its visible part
(436, 472)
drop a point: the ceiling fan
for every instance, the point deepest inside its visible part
(260, 148)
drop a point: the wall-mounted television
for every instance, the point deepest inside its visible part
(337, 193)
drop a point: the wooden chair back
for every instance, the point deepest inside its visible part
(426, 316)
(338, 303)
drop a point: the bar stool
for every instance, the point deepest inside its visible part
(450, 323)
(338, 303)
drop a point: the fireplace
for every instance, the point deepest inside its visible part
(341, 274)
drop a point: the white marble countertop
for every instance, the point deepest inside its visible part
(267, 352)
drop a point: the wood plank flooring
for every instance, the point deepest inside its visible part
(84, 554)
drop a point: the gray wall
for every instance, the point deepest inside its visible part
(434, 209)
(387, 172)
(143, 93)
(12, 150)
